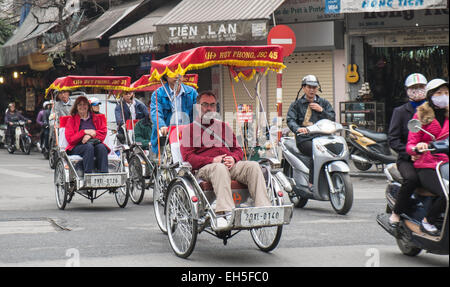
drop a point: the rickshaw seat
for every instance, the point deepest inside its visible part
(235, 185)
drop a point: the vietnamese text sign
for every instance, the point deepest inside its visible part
(358, 6)
(298, 11)
(132, 45)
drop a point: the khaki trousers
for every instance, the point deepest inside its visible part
(245, 172)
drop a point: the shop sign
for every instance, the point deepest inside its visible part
(298, 11)
(132, 45)
(245, 113)
(404, 40)
(398, 19)
(213, 32)
(358, 6)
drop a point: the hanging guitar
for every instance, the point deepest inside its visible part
(352, 75)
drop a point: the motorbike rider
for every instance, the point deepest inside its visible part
(398, 136)
(306, 111)
(12, 116)
(433, 116)
(183, 102)
(43, 121)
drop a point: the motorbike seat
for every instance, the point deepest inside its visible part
(291, 145)
(378, 137)
(394, 172)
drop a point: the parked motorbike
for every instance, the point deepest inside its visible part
(368, 148)
(410, 239)
(331, 171)
(22, 140)
(43, 147)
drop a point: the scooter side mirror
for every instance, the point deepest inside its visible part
(414, 126)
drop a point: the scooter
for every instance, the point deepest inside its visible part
(22, 140)
(331, 171)
(410, 239)
(368, 148)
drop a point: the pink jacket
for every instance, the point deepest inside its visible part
(429, 123)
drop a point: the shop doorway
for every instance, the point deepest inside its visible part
(388, 67)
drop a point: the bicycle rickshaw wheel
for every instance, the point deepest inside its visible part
(159, 204)
(181, 226)
(267, 238)
(61, 186)
(137, 180)
(122, 194)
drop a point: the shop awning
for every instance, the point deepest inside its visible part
(24, 40)
(200, 21)
(96, 29)
(140, 36)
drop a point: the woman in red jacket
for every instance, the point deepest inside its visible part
(433, 115)
(85, 133)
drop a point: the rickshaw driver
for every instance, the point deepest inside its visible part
(218, 158)
(133, 109)
(184, 101)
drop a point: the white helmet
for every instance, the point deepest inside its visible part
(435, 83)
(311, 80)
(94, 101)
(415, 79)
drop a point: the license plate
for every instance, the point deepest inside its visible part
(105, 180)
(262, 216)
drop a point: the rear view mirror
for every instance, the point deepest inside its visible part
(414, 126)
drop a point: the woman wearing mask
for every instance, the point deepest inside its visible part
(434, 118)
(398, 137)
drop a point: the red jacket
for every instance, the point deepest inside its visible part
(74, 135)
(200, 148)
(429, 123)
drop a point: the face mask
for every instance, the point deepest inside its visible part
(440, 101)
(416, 94)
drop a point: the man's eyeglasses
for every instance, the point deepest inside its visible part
(206, 105)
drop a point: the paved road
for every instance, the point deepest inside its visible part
(33, 232)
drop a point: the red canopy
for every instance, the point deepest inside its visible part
(120, 83)
(203, 57)
(143, 84)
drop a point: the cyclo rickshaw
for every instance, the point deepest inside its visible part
(183, 204)
(142, 163)
(69, 177)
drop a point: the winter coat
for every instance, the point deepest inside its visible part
(398, 130)
(74, 135)
(143, 131)
(430, 124)
(163, 117)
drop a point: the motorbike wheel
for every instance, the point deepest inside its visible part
(26, 144)
(406, 248)
(11, 149)
(359, 165)
(52, 158)
(342, 199)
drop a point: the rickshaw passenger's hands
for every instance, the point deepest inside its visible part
(415, 157)
(219, 158)
(229, 161)
(85, 139)
(92, 133)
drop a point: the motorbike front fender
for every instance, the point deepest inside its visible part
(338, 166)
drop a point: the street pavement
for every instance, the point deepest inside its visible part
(33, 232)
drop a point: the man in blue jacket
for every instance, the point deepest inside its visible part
(132, 109)
(182, 102)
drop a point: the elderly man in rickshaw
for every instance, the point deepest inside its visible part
(163, 112)
(218, 158)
